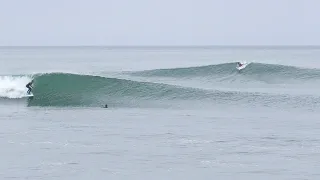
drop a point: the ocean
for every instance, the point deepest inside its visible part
(173, 113)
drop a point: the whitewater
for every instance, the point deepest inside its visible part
(173, 113)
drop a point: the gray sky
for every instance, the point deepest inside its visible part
(159, 22)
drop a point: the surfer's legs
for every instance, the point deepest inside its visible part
(29, 90)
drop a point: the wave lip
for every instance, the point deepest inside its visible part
(208, 70)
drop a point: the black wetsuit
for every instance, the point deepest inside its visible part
(29, 87)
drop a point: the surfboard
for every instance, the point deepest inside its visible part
(29, 95)
(244, 65)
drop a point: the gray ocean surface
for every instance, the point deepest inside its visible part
(174, 113)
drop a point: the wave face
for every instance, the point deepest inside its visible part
(66, 89)
(60, 89)
(268, 73)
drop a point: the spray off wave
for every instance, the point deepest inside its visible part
(13, 86)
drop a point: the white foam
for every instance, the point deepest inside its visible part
(14, 86)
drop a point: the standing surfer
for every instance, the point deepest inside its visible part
(29, 86)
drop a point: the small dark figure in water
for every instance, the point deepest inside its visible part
(105, 106)
(29, 86)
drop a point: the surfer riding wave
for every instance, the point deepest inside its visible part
(29, 86)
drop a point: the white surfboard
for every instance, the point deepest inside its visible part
(244, 65)
(29, 95)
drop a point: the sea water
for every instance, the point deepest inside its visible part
(173, 113)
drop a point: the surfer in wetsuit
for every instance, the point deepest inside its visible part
(29, 86)
(239, 64)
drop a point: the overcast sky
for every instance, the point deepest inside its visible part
(159, 22)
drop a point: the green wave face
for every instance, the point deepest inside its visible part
(84, 90)
(65, 89)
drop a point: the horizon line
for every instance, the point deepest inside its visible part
(160, 46)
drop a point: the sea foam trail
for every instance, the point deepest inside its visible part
(13, 86)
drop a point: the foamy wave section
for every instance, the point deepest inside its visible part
(13, 86)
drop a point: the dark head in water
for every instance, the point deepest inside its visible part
(105, 106)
